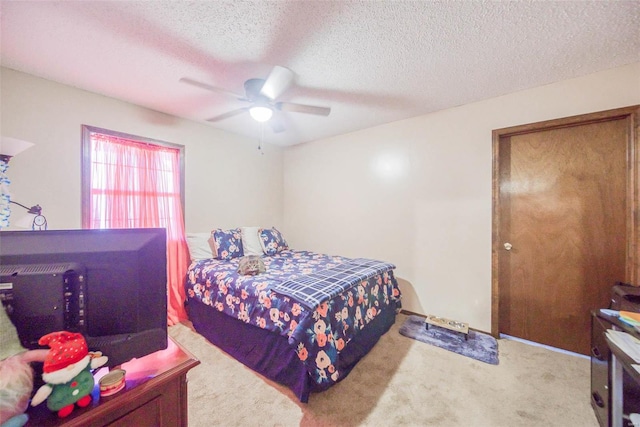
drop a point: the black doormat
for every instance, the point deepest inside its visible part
(479, 346)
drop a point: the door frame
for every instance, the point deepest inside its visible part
(500, 136)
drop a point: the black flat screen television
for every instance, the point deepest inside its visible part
(110, 285)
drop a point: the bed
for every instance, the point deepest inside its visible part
(304, 322)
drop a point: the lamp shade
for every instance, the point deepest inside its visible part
(261, 113)
(11, 146)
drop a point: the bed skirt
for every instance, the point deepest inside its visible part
(270, 354)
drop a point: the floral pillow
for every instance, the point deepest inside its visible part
(227, 243)
(272, 241)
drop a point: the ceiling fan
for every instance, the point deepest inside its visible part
(262, 95)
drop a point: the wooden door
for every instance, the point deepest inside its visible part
(563, 225)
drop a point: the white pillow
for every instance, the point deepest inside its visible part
(200, 246)
(251, 241)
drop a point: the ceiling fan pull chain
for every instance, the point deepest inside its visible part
(261, 138)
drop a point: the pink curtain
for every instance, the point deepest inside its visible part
(137, 185)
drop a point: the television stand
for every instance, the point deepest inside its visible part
(155, 395)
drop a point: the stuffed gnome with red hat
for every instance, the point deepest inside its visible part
(67, 372)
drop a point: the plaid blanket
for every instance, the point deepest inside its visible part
(320, 286)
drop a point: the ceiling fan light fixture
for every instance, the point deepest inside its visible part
(260, 113)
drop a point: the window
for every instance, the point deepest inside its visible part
(134, 182)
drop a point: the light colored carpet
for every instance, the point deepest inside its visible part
(400, 382)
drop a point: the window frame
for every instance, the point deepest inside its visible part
(86, 160)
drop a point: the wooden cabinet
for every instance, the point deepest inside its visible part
(155, 395)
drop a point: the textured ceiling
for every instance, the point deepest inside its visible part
(372, 62)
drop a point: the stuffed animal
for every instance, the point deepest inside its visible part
(67, 372)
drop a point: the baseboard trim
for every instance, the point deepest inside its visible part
(409, 313)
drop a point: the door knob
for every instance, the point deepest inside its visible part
(508, 246)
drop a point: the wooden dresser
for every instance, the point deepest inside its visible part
(155, 395)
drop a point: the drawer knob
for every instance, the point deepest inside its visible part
(596, 353)
(597, 399)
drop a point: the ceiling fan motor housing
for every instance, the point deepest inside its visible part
(252, 88)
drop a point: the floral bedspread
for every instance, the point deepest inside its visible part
(317, 335)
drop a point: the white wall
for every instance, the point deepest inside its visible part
(418, 192)
(415, 192)
(228, 182)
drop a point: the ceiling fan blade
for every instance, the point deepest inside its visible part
(201, 85)
(276, 124)
(301, 108)
(228, 114)
(278, 81)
